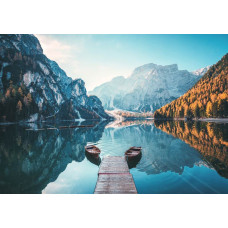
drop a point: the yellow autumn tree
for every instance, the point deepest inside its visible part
(209, 96)
(209, 109)
(19, 107)
(20, 91)
(14, 92)
(29, 98)
(7, 95)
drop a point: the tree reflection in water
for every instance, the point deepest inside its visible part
(210, 139)
(173, 152)
(29, 160)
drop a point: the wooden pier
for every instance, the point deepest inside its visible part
(114, 177)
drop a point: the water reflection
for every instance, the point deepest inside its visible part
(132, 163)
(177, 157)
(210, 139)
(160, 152)
(92, 159)
(29, 160)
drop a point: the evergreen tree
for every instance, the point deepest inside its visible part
(197, 111)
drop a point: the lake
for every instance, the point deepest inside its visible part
(177, 156)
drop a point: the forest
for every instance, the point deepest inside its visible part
(208, 98)
(16, 102)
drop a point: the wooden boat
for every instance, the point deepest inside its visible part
(135, 148)
(93, 150)
(133, 152)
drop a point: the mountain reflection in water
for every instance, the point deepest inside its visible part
(177, 157)
(29, 160)
(210, 139)
(160, 152)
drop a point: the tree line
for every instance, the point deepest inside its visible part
(16, 102)
(208, 98)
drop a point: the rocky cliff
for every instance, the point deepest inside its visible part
(33, 87)
(30, 160)
(148, 88)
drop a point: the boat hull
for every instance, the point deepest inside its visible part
(92, 151)
(133, 153)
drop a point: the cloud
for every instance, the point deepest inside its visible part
(77, 56)
(64, 54)
(54, 49)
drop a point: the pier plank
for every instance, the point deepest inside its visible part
(114, 177)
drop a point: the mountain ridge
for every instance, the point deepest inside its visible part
(207, 98)
(26, 73)
(149, 87)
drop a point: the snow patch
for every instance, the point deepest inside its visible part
(45, 95)
(201, 71)
(44, 68)
(58, 96)
(31, 90)
(40, 104)
(80, 119)
(16, 45)
(28, 78)
(77, 90)
(33, 118)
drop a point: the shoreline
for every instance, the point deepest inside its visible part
(50, 121)
(213, 120)
(117, 119)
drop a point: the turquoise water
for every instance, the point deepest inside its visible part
(173, 158)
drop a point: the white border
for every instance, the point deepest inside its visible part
(113, 211)
(111, 17)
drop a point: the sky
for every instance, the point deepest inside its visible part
(99, 58)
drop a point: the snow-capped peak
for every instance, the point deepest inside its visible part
(201, 71)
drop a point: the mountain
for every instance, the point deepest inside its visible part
(201, 71)
(207, 98)
(30, 160)
(148, 88)
(33, 87)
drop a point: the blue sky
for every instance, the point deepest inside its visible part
(98, 58)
